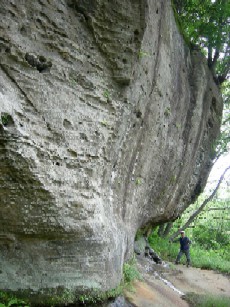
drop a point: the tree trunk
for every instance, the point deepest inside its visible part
(197, 212)
(150, 231)
(167, 229)
(161, 230)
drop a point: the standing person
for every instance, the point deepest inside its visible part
(184, 248)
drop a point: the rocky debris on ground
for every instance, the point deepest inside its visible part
(149, 252)
(121, 301)
(142, 248)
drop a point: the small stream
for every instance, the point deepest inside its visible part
(149, 268)
(168, 283)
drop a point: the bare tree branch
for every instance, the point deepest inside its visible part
(197, 212)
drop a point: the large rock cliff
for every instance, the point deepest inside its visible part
(107, 124)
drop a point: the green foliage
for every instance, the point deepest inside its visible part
(93, 297)
(90, 298)
(163, 248)
(207, 300)
(180, 25)
(210, 238)
(209, 259)
(130, 272)
(5, 119)
(167, 111)
(7, 300)
(138, 181)
(104, 122)
(96, 297)
(172, 179)
(106, 94)
(200, 257)
(178, 126)
(73, 81)
(209, 233)
(66, 297)
(206, 23)
(143, 53)
(210, 229)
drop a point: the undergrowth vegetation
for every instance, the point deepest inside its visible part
(195, 299)
(94, 297)
(200, 257)
(8, 300)
(209, 233)
(130, 274)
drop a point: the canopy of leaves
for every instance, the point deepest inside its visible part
(207, 23)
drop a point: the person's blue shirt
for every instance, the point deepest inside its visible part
(184, 243)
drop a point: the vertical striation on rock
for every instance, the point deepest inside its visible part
(107, 124)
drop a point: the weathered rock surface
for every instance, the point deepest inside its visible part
(108, 124)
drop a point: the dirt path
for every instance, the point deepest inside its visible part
(199, 281)
(165, 286)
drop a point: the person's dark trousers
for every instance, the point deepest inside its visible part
(187, 254)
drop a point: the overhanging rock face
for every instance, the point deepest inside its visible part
(108, 124)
